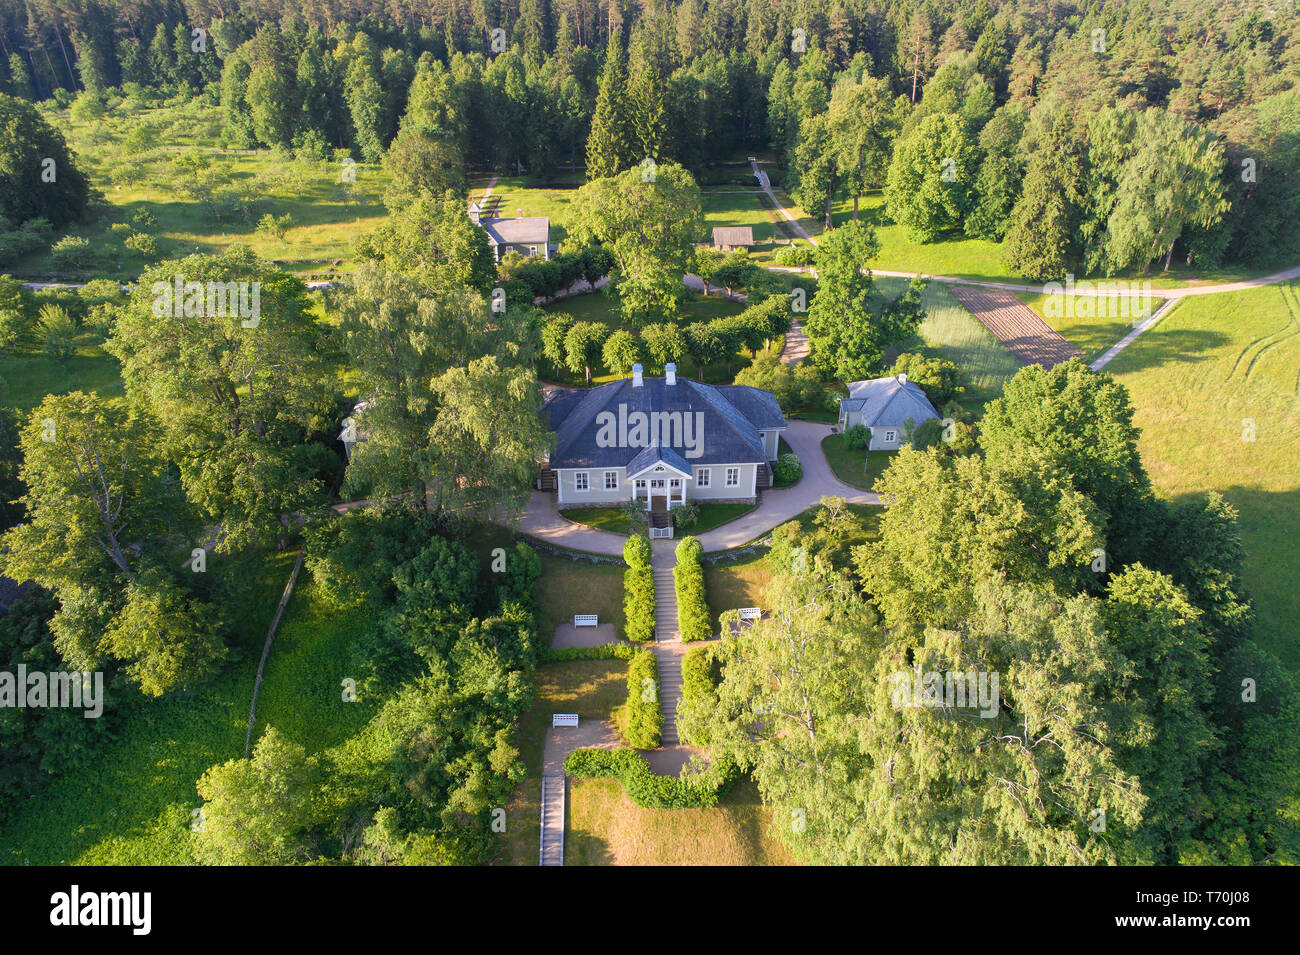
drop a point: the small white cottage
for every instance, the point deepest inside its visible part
(888, 407)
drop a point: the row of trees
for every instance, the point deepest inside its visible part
(1135, 721)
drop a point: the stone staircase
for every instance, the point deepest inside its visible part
(552, 848)
(667, 637)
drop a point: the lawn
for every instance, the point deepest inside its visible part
(856, 467)
(572, 586)
(614, 520)
(515, 193)
(1199, 379)
(1091, 334)
(594, 689)
(950, 331)
(734, 206)
(29, 377)
(327, 214)
(729, 586)
(607, 828)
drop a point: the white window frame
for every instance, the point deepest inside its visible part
(733, 477)
(532, 250)
(582, 481)
(674, 484)
(891, 435)
(611, 480)
(640, 484)
(703, 477)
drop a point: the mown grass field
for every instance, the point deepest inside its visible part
(328, 214)
(1199, 379)
(29, 377)
(730, 586)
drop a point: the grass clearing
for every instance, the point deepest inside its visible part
(1199, 379)
(328, 214)
(734, 585)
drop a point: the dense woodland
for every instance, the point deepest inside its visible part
(1053, 115)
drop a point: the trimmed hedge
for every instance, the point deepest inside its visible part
(638, 591)
(643, 722)
(602, 651)
(699, 791)
(688, 579)
(699, 697)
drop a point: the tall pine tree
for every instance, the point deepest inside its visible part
(609, 147)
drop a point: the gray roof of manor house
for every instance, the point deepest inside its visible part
(733, 415)
(527, 230)
(888, 402)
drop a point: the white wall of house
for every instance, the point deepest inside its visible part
(771, 441)
(717, 487)
(886, 439)
(569, 495)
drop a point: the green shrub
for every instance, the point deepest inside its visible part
(644, 719)
(638, 590)
(794, 254)
(857, 437)
(788, 468)
(57, 332)
(699, 697)
(688, 578)
(648, 790)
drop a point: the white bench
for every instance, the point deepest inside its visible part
(564, 719)
(585, 620)
(750, 613)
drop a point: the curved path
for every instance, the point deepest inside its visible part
(542, 519)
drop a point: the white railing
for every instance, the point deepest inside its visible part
(660, 532)
(586, 620)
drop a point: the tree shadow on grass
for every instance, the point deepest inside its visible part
(1157, 347)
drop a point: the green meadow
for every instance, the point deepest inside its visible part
(1216, 388)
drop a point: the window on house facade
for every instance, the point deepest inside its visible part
(733, 477)
(891, 435)
(640, 485)
(675, 483)
(580, 481)
(611, 480)
(532, 250)
(703, 476)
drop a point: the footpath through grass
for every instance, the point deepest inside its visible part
(1215, 388)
